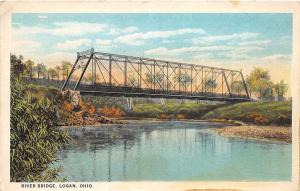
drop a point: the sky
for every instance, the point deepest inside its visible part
(229, 40)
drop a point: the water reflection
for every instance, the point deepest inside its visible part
(170, 151)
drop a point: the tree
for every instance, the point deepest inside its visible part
(17, 65)
(132, 81)
(52, 73)
(34, 139)
(57, 69)
(40, 69)
(237, 87)
(155, 79)
(183, 79)
(29, 66)
(66, 67)
(211, 84)
(259, 82)
(280, 89)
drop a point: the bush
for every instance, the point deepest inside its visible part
(111, 112)
(283, 119)
(180, 116)
(165, 117)
(34, 137)
(255, 117)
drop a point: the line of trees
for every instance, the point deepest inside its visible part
(30, 69)
(261, 86)
(258, 81)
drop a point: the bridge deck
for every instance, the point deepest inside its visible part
(144, 92)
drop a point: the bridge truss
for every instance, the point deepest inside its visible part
(97, 73)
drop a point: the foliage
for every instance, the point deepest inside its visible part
(111, 112)
(180, 116)
(132, 81)
(57, 69)
(68, 107)
(183, 79)
(53, 73)
(211, 84)
(17, 65)
(259, 82)
(41, 70)
(66, 68)
(154, 79)
(29, 68)
(254, 112)
(237, 87)
(256, 118)
(171, 109)
(280, 89)
(99, 101)
(34, 137)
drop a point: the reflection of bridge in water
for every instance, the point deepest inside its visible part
(96, 73)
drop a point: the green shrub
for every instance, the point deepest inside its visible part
(34, 137)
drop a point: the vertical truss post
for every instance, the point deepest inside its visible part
(71, 72)
(125, 72)
(93, 72)
(154, 76)
(164, 84)
(191, 80)
(109, 69)
(140, 71)
(167, 77)
(85, 67)
(151, 78)
(202, 82)
(222, 85)
(212, 81)
(205, 83)
(179, 78)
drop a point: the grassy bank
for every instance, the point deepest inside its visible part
(172, 110)
(259, 113)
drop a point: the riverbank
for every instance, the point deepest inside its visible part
(258, 113)
(257, 132)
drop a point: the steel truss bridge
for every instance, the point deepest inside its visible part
(97, 73)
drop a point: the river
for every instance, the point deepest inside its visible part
(170, 151)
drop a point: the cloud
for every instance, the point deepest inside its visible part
(61, 29)
(220, 38)
(139, 38)
(103, 42)
(26, 46)
(117, 31)
(56, 58)
(77, 28)
(196, 49)
(253, 43)
(74, 44)
(42, 16)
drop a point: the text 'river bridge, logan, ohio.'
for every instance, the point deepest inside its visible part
(97, 73)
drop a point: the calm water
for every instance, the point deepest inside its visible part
(170, 151)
